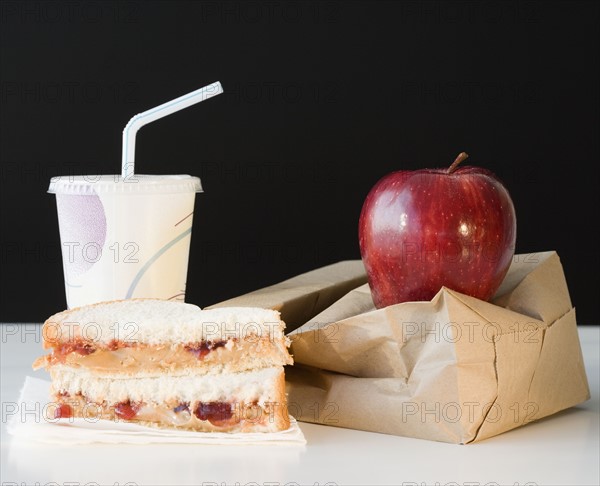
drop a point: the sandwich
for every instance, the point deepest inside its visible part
(169, 364)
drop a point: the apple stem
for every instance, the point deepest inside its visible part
(462, 156)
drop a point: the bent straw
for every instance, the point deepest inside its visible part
(141, 119)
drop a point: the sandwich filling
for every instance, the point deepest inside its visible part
(145, 360)
(222, 416)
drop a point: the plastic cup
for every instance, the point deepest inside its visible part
(125, 238)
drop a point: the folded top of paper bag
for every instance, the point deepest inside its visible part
(300, 298)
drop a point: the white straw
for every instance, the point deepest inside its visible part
(141, 119)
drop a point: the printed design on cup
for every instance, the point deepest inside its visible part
(83, 233)
(153, 259)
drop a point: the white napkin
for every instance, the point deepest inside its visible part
(28, 422)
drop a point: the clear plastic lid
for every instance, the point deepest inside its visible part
(136, 184)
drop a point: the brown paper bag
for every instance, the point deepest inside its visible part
(304, 296)
(455, 369)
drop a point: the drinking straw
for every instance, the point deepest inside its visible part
(141, 119)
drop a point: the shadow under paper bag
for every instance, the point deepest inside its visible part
(456, 369)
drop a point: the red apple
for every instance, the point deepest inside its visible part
(424, 229)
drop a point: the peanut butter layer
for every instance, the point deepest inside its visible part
(147, 360)
(207, 417)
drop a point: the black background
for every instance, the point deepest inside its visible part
(321, 100)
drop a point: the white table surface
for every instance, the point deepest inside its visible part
(559, 450)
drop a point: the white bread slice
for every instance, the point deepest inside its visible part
(245, 386)
(156, 322)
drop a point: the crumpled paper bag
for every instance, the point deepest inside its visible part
(455, 369)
